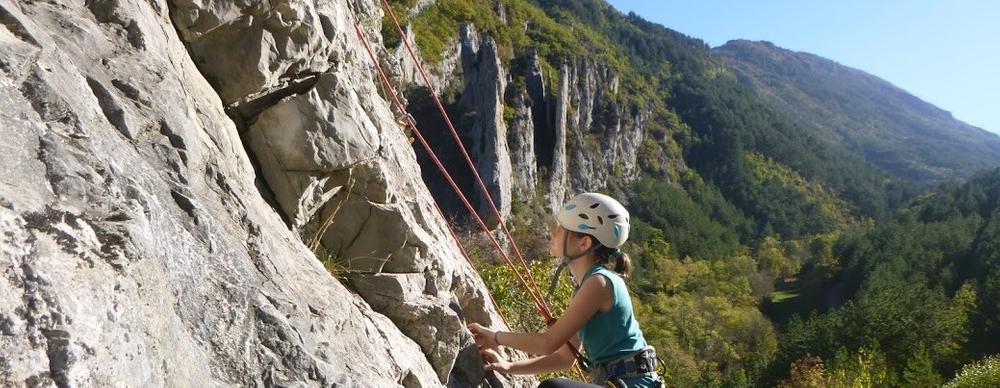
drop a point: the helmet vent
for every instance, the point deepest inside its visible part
(601, 220)
(595, 205)
(584, 216)
(613, 216)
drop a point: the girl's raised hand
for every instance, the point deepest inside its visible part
(484, 337)
(494, 361)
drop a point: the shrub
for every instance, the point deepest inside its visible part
(983, 373)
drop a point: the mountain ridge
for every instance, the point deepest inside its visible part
(866, 114)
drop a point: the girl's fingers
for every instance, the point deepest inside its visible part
(477, 333)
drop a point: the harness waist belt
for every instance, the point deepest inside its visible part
(639, 363)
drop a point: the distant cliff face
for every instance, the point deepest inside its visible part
(529, 140)
(166, 165)
(870, 117)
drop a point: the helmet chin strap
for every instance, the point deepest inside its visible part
(563, 262)
(568, 258)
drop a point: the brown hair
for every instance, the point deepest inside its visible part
(620, 262)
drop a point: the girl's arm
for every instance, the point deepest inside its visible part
(593, 294)
(557, 361)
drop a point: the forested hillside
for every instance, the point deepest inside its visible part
(866, 115)
(920, 294)
(765, 254)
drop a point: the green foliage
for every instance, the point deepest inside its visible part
(334, 264)
(706, 321)
(983, 373)
(698, 222)
(779, 176)
(437, 25)
(914, 292)
(529, 228)
(808, 372)
(513, 299)
(390, 36)
(515, 302)
(920, 371)
(893, 315)
(918, 287)
(864, 368)
(436, 28)
(787, 191)
(772, 258)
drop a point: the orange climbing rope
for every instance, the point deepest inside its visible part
(531, 286)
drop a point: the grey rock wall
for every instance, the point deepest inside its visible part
(606, 133)
(521, 142)
(482, 122)
(139, 246)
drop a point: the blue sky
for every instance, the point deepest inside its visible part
(945, 52)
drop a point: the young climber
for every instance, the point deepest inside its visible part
(589, 232)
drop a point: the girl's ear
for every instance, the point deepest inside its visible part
(586, 241)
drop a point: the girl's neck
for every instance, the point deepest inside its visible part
(578, 267)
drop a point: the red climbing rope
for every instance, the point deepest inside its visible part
(392, 92)
(532, 286)
(539, 302)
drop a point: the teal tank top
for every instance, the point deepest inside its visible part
(614, 333)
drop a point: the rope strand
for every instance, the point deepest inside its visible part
(532, 288)
(419, 135)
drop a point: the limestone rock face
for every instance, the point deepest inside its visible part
(529, 106)
(276, 40)
(606, 134)
(521, 142)
(141, 247)
(583, 137)
(557, 169)
(485, 131)
(340, 168)
(544, 144)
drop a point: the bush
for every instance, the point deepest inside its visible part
(983, 373)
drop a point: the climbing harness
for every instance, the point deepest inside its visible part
(642, 362)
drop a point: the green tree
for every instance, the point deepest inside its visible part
(920, 371)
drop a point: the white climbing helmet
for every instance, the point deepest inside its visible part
(597, 215)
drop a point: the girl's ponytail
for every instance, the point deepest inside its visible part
(620, 262)
(623, 264)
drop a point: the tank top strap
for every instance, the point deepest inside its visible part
(592, 270)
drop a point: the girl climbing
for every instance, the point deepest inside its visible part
(590, 230)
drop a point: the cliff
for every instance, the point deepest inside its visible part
(535, 136)
(168, 165)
